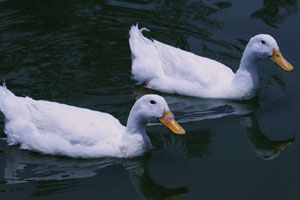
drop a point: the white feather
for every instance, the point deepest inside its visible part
(172, 70)
(59, 129)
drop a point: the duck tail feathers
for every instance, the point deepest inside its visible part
(4, 91)
(136, 39)
(6, 96)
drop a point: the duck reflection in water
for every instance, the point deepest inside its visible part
(54, 174)
(263, 147)
(189, 109)
(274, 12)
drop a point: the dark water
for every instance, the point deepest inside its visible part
(76, 52)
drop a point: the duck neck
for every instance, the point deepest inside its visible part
(136, 124)
(136, 130)
(245, 80)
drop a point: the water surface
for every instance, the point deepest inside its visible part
(76, 52)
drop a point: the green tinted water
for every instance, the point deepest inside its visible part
(77, 52)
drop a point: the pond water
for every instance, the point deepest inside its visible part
(76, 52)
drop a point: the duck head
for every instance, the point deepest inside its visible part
(265, 46)
(153, 108)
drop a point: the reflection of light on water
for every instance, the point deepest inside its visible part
(189, 109)
(47, 167)
(61, 173)
(10, 172)
(195, 109)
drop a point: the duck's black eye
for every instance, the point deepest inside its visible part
(263, 42)
(153, 102)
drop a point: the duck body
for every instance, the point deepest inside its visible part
(172, 70)
(59, 129)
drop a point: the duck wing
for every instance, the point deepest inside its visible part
(182, 65)
(73, 124)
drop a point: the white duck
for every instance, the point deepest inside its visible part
(168, 69)
(59, 129)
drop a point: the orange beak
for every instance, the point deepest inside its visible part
(281, 61)
(168, 120)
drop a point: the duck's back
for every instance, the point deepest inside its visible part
(55, 128)
(170, 69)
(180, 64)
